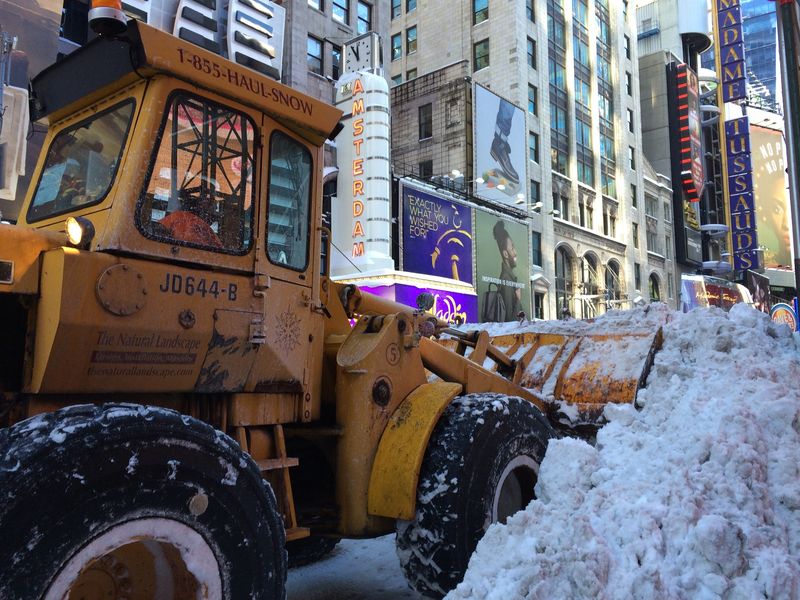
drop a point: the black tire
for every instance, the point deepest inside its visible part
(479, 440)
(309, 550)
(74, 478)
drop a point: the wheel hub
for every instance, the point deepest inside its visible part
(144, 559)
(514, 488)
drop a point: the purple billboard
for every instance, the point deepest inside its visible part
(453, 307)
(437, 235)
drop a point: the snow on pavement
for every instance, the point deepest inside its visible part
(695, 495)
(355, 570)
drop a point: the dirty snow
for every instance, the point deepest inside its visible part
(694, 495)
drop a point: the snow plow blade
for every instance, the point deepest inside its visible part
(576, 374)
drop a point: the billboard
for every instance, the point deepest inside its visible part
(502, 264)
(500, 151)
(437, 235)
(771, 196)
(758, 286)
(453, 307)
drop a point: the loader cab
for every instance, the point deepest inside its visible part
(204, 164)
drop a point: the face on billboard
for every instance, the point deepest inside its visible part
(500, 152)
(437, 235)
(772, 197)
(502, 264)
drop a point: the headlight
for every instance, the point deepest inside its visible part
(80, 232)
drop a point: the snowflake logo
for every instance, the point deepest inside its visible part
(287, 331)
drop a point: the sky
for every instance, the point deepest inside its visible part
(693, 493)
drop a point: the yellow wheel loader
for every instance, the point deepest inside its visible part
(182, 392)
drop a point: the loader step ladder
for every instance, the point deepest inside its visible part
(284, 463)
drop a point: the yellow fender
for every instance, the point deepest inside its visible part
(395, 471)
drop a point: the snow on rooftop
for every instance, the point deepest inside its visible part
(694, 495)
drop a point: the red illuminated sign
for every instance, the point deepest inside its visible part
(690, 131)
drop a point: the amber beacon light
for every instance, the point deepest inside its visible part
(107, 18)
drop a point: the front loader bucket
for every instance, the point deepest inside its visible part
(577, 374)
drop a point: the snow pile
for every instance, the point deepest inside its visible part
(695, 495)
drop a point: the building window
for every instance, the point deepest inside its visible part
(538, 306)
(397, 46)
(585, 213)
(629, 83)
(533, 146)
(397, 80)
(535, 193)
(314, 55)
(650, 206)
(426, 169)
(533, 100)
(564, 284)
(316, 4)
(668, 250)
(632, 158)
(397, 8)
(480, 11)
(341, 11)
(411, 74)
(411, 5)
(655, 291)
(637, 276)
(529, 11)
(630, 120)
(536, 248)
(336, 61)
(531, 53)
(667, 212)
(480, 55)
(613, 285)
(627, 46)
(426, 121)
(364, 17)
(635, 234)
(634, 196)
(652, 238)
(411, 39)
(609, 221)
(561, 199)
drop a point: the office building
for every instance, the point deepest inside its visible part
(570, 70)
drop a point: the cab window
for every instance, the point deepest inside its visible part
(81, 163)
(289, 214)
(199, 189)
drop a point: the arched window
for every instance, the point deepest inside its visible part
(613, 286)
(655, 291)
(591, 287)
(563, 279)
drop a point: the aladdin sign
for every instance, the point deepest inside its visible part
(730, 50)
(740, 194)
